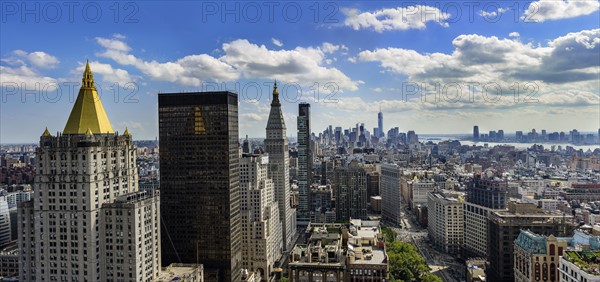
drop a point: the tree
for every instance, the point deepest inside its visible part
(406, 264)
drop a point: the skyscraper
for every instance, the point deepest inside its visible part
(390, 194)
(380, 124)
(200, 193)
(475, 133)
(351, 192)
(64, 230)
(304, 164)
(276, 145)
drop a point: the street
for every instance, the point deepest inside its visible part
(441, 264)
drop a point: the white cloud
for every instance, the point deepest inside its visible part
(42, 60)
(252, 117)
(300, 65)
(24, 77)
(23, 70)
(514, 34)
(190, 70)
(109, 74)
(276, 42)
(566, 63)
(546, 10)
(492, 14)
(38, 59)
(303, 65)
(400, 18)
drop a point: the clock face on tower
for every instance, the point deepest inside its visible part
(274, 167)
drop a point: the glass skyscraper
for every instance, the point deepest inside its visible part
(200, 194)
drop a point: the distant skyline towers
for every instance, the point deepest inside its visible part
(200, 192)
(276, 145)
(475, 133)
(304, 164)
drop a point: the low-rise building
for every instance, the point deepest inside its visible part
(367, 259)
(577, 266)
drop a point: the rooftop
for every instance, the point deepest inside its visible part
(178, 271)
(587, 261)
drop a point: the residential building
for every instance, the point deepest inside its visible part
(350, 192)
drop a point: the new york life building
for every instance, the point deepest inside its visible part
(87, 221)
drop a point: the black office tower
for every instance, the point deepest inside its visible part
(199, 171)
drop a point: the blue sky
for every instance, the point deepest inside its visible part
(432, 67)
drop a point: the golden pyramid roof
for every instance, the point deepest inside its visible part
(88, 113)
(46, 133)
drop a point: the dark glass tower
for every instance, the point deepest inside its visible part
(304, 164)
(475, 133)
(200, 196)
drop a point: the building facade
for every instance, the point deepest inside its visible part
(262, 243)
(536, 257)
(391, 199)
(305, 161)
(5, 226)
(350, 192)
(133, 216)
(445, 221)
(577, 266)
(504, 228)
(483, 196)
(200, 196)
(276, 144)
(80, 170)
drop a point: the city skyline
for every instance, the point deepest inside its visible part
(553, 57)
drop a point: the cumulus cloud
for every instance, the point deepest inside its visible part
(109, 74)
(241, 58)
(37, 59)
(190, 70)
(400, 18)
(276, 42)
(547, 10)
(565, 63)
(514, 34)
(477, 58)
(493, 13)
(22, 69)
(252, 117)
